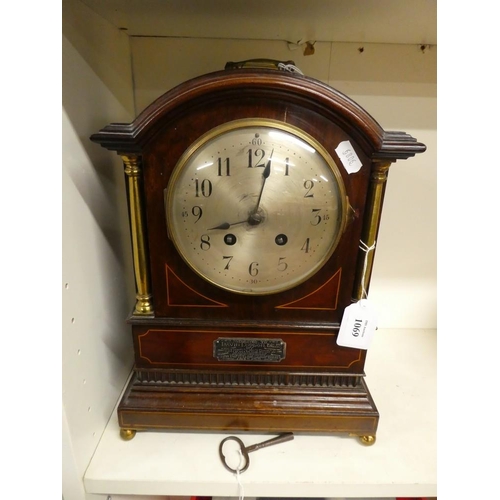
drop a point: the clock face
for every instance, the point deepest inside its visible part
(255, 206)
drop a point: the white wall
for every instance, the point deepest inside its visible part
(97, 278)
(109, 76)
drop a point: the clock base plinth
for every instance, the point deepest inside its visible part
(343, 408)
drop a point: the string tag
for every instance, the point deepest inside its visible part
(358, 325)
(241, 490)
(360, 319)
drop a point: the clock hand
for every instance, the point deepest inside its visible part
(265, 175)
(227, 225)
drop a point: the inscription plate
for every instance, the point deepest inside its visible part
(254, 350)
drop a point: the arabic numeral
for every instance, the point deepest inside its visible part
(205, 242)
(306, 246)
(356, 327)
(220, 169)
(203, 188)
(253, 269)
(197, 212)
(256, 141)
(349, 156)
(308, 185)
(316, 216)
(259, 153)
(282, 265)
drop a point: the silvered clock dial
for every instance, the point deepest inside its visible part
(256, 206)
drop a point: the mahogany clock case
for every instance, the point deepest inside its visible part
(180, 379)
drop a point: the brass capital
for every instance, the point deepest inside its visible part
(380, 171)
(132, 165)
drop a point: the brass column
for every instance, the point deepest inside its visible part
(144, 305)
(373, 211)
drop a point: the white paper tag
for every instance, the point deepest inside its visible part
(348, 157)
(358, 325)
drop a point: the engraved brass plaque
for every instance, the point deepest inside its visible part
(252, 350)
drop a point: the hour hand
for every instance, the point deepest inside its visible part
(226, 225)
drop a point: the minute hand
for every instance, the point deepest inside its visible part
(265, 175)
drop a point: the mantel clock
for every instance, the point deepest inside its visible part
(250, 190)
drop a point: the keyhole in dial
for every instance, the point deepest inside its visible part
(230, 239)
(281, 239)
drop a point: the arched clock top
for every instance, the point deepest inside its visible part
(377, 143)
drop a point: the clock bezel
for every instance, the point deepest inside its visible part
(268, 123)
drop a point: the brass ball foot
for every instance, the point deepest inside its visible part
(367, 440)
(127, 434)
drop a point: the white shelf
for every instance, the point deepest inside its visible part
(401, 375)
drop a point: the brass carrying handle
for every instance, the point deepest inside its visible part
(262, 64)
